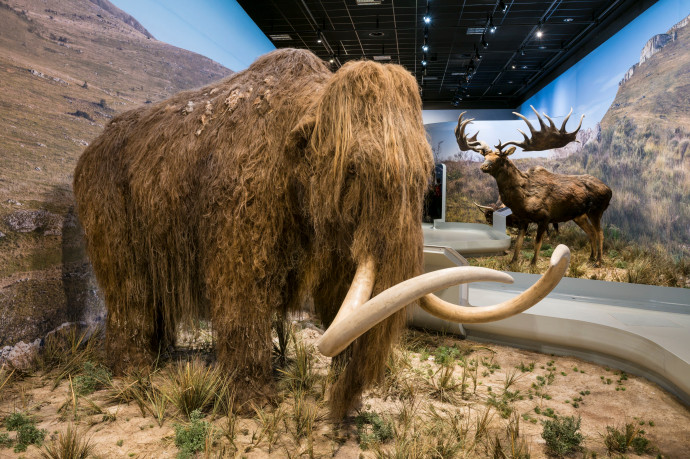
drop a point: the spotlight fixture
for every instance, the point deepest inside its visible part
(427, 17)
(512, 66)
(318, 37)
(425, 47)
(331, 60)
(522, 51)
(476, 53)
(424, 62)
(485, 44)
(502, 6)
(492, 27)
(540, 32)
(470, 66)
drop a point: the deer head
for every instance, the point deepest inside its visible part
(546, 138)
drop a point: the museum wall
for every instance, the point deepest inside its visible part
(634, 91)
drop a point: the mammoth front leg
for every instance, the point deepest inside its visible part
(363, 362)
(242, 320)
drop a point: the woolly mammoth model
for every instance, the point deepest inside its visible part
(237, 201)
(538, 195)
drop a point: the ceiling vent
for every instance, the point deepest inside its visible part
(382, 58)
(280, 37)
(369, 2)
(475, 30)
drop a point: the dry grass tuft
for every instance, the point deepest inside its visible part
(69, 444)
(192, 385)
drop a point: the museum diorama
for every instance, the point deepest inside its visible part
(301, 229)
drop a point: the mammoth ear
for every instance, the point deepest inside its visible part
(298, 139)
(508, 152)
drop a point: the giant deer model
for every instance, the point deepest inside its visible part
(538, 195)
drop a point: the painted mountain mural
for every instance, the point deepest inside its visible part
(66, 68)
(641, 150)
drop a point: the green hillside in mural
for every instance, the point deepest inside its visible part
(643, 152)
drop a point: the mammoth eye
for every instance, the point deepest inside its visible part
(351, 171)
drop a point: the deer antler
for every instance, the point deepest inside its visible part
(546, 138)
(469, 143)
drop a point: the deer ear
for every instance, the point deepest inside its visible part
(509, 151)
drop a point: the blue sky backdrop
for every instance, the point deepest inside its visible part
(217, 29)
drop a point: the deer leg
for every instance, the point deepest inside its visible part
(541, 229)
(595, 220)
(584, 223)
(518, 242)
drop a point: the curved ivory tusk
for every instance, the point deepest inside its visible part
(357, 321)
(360, 289)
(448, 311)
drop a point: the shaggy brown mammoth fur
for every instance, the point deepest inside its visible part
(238, 201)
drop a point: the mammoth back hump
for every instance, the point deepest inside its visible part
(161, 154)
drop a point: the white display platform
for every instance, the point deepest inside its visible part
(470, 239)
(643, 330)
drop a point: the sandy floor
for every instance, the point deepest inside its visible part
(121, 430)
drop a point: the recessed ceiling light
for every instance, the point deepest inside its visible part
(524, 67)
(376, 34)
(510, 82)
(542, 47)
(568, 20)
(500, 93)
(512, 66)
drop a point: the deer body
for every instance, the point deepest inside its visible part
(541, 196)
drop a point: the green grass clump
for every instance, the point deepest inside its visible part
(93, 378)
(69, 444)
(372, 429)
(629, 437)
(191, 438)
(27, 433)
(444, 355)
(5, 441)
(562, 435)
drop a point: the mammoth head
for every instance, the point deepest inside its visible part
(366, 162)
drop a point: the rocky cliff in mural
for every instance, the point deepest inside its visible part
(67, 68)
(653, 45)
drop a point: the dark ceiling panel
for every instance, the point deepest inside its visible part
(514, 65)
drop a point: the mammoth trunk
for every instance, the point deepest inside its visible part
(372, 162)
